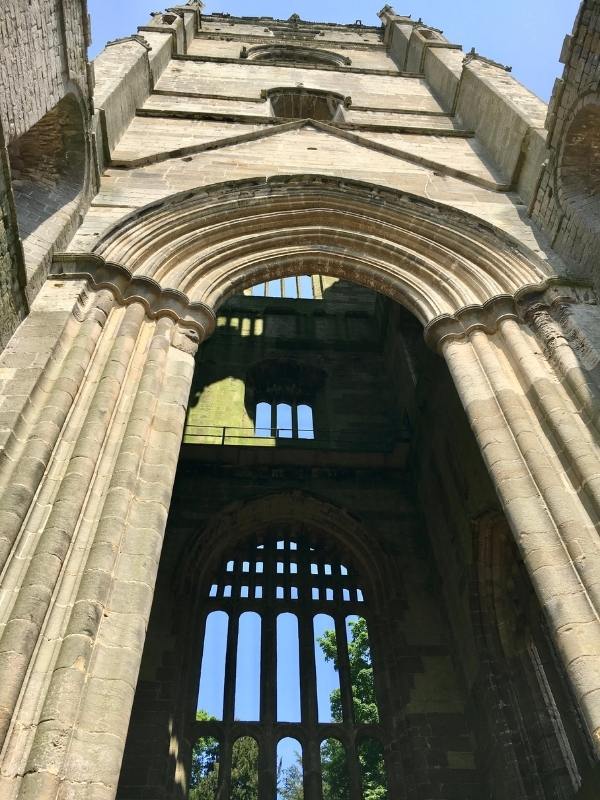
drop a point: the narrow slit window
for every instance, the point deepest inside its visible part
(290, 288)
(212, 673)
(247, 686)
(290, 773)
(334, 770)
(326, 661)
(305, 287)
(204, 775)
(244, 768)
(361, 671)
(284, 421)
(288, 669)
(262, 425)
(274, 288)
(306, 428)
(372, 769)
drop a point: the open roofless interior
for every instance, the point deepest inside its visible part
(340, 611)
(299, 411)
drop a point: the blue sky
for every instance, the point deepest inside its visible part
(527, 34)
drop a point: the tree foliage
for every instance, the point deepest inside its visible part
(204, 777)
(333, 755)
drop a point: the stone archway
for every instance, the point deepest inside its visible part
(90, 473)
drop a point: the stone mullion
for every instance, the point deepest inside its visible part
(308, 692)
(531, 492)
(557, 411)
(229, 704)
(20, 479)
(268, 702)
(268, 675)
(345, 677)
(23, 627)
(98, 739)
(63, 696)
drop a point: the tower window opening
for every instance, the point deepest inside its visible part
(281, 658)
(284, 421)
(295, 287)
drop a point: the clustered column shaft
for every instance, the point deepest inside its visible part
(144, 377)
(521, 429)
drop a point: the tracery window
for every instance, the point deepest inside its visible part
(287, 700)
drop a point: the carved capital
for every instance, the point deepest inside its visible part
(187, 340)
(553, 295)
(197, 318)
(486, 317)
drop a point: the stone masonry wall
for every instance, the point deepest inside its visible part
(46, 178)
(43, 51)
(13, 304)
(567, 200)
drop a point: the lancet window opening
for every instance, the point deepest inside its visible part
(278, 600)
(284, 420)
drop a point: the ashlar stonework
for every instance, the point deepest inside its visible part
(298, 319)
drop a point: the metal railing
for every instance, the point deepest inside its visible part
(368, 440)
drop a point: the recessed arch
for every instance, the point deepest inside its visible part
(49, 169)
(295, 54)
(293, 509)
(213, 242)
(578, 169)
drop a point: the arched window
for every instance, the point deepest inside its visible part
(287, 638)
(295, 54)
(284, 421)
(281, 395)
(298, 102)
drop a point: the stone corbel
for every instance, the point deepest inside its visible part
(127, 288)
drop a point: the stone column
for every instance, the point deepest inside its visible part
(80, 740)
(88, 482)
(528, 437)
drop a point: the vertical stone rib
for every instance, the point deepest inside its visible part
(530, 490)
(311, 759)
(23, 628)
(557, 411)
(22, 478)
(577, 534)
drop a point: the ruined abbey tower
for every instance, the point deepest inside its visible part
(300, 372)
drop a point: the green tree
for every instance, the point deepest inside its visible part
(244, 769)
(204, 778)
(289, 781)
(333, 756)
